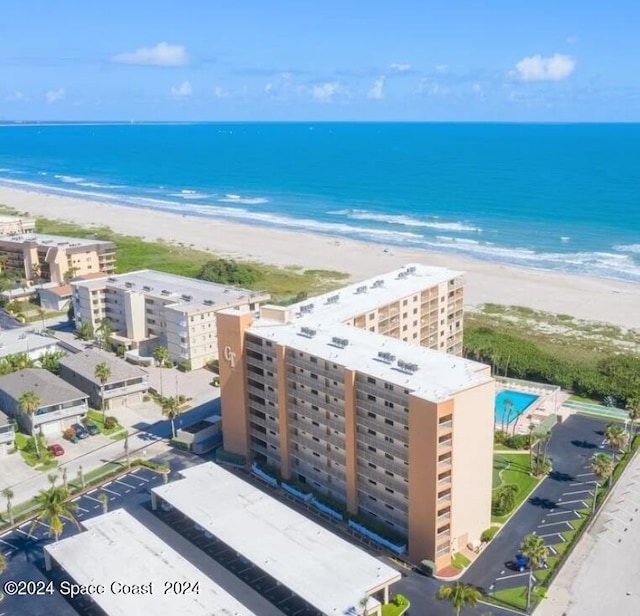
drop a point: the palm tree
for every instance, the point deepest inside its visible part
(104, 499)
(105, 329)
(126, 449)
(64, 478)
(633, 408)
(363, 604)
(171, 408)
(8, 494)
(102, 372)
(81, 476)
(616, 437)
(536, 551)
(602, 467)
(29, 402)
(84, 331)
(161, 355)
(54, 508)
(459, 595)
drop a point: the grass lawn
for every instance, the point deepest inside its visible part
(460, 561)
(96, 418)
(390, 609)
(44, 463)
(516, 597)
(576, 398)
(513, 468)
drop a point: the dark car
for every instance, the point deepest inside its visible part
(56, 450)
(80, 431)
(92, 428)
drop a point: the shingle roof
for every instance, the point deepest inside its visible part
(49, 388)
(85, 364)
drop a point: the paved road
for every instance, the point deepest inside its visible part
(550, 509)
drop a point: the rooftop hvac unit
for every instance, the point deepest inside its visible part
(340, 342)
(386, 357)
(308, 332)
(407, 366)
(411, 270)
(111, 279)
(362, 289)
(378, 283)
(306, 309)
(146, 288)
(333, 299)
(187, 298)
(165, 292)
(209, 302)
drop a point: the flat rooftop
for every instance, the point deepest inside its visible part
(54, 240)
(116, 547)
(23, 340)
(180, 289)
(434, 375)
(360, 297)
(325, 570)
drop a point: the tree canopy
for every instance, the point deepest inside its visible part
(227, 271)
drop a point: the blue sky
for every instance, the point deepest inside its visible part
(500, 60)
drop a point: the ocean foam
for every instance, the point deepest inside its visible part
(69, 179)
(408, 221)
(243, 200)
(634, 248)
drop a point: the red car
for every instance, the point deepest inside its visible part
(56, 450)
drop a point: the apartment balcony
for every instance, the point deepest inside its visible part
(58, 414)
(444, 446)
(397, 451)
(325, 436)
(444, 499)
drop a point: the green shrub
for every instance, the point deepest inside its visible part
(226, 271)
(500, 437)
(489, 534)
(400, 600)
(184, 366)
(519, 441)
(146, 398)
(110, 422)
(503, 499)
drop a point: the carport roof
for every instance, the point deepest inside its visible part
(317, 565)
(116, 547)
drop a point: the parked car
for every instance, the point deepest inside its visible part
(80, 430)
(55, 450)
(92, 428)
(70, 435)
(522, 562)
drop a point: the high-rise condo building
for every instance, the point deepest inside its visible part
(399, 433)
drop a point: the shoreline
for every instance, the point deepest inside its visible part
(583, 297)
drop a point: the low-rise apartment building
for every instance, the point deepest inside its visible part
(16, 225)
(125, 386)
(61, 404)
(54, 258)
(397, 432)
(149, 308)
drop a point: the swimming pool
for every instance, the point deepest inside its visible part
(511, 404)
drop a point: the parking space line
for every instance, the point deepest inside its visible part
(514, 575)
(82, 509)
(91, 497)
(552, 549)
(579, 483)
(553, 524)
(24, 532)
(576, 492)
(563, 512)
(13, 547)
(7, 533)
(580, 500)
(552, 535)
(111, 491)
(125, 484)
(585, 474)
(97, 507)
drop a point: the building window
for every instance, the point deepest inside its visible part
(370, 397)
(371, 380)
(372, 432)
(389, 422)
(372, 465)
(372, 415)
(373, 482)
(313, 360)
(405, 302)
(372, 316)
(388, 456)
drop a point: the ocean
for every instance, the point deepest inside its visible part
(562, 197)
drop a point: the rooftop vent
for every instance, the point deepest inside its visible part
(128, 284)
(378, 283)
(407, 366)
(362, 289)
(146, 288)
(386, 357)
(401, 275)
(165, 292)
(111, 279)
(333, 299)
(411, 270)
(340, 342)
(208, 302)
(306, 309)
(187, 298)
(308, 332)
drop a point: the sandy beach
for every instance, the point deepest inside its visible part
(584, 297)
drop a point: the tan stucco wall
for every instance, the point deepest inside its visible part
(472, 471)
(350, 441)
(235, 419)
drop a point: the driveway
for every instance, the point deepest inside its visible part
(550, 509)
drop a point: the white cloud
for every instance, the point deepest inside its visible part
(163, 54)
(184, 89)
(402, 68)
(53, 96)
(324, 92)
(442, 68)
(539, 68)
(377, 90)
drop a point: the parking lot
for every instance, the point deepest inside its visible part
(22, 546)
(551, 508)
(283, 600)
